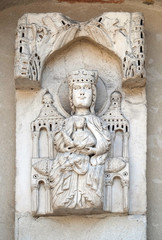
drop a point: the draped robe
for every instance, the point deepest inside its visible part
(77, 174)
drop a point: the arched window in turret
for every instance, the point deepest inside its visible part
(43, 143)
(118, 144)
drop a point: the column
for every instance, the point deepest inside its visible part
(50, 146)
(125, 145)
(125, 197)
(34, 199)
(48, 199)
(108, 197)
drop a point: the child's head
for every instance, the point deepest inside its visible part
(80, 122)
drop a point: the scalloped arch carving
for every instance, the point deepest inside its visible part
(40, 35)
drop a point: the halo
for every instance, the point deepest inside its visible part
(62, 103)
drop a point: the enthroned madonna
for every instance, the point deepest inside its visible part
(82, 148)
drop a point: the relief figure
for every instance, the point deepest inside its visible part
(82, 145)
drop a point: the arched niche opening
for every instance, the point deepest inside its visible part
(78, 54)
(117, 195)
(118, 144)
(43, 143)
(41, 197)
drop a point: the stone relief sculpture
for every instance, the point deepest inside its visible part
(76, 178)
(81, 123)
(38, 36)
(118, 164)
(82, 146)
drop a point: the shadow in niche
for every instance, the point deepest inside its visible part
(77, 54)
(43, 143)
(41, 198)
(118, 144)
(117, 196)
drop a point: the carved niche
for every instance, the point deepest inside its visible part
(74, 170)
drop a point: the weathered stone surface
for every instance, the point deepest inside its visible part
(82, 12)
(85, 153)
(32, 100)
(98, 227)
(118, 177)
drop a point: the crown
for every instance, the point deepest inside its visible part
(82, 76)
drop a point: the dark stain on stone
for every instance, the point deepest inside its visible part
(93, 1)
(149, 2)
